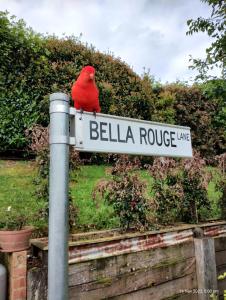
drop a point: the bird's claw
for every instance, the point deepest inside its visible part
(81, 112)
(95, 114)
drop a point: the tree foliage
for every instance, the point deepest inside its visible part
(33, 66)
(215, 27)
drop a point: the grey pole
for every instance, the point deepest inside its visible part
(3, 282)
(58, 197)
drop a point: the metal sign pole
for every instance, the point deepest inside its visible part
(104, 133)
(58, 197)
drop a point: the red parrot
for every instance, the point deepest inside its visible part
(84, 91)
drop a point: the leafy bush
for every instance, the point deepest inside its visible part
(180, 189)
(33, 66)
(215, 91)
(196, 206)
(126, 192)
(168, 192)
(23, 61)
(199, 107)
(39, 137)
(164, 107)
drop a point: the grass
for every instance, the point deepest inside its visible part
(16, 183)
(91, 214)
(17, 190)
(213, 193)
(149, 182)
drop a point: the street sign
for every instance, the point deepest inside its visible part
(100, 133)
(113, 134)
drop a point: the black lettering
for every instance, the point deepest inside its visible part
(178, 136)
(166, 140)
(93, 129)
(129, 135)
(143, 134)
(102, 131)
(172, 138)
(183, 136)
(119, 138)
(151, 141)
(156, 134)
(110, 137)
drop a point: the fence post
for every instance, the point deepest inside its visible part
(205, 267)
(58, 197)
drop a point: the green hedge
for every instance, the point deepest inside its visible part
(201, 107)
(33, 66)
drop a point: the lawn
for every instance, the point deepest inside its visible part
(91, 214)
(17, 191)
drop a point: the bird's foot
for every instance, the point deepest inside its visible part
(95, 114)
(81, 112)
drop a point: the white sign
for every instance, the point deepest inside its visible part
(113, 134)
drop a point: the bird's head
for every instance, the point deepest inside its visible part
(88, 73)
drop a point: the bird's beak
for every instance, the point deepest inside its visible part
(91, 76)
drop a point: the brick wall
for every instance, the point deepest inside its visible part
(17, 266)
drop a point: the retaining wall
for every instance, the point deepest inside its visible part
(177, 263)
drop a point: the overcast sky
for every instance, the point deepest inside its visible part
(144, 33)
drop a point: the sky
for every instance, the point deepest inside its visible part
(148, 34)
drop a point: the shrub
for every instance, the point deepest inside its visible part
(196, 206)
(126, 192)
(168, 191)
(39, 137)
(215, 91)
(23, 61)
(33, 66)
(180, 189)
(164, 110)
(200, 107)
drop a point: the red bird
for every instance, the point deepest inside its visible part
(84, 91)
